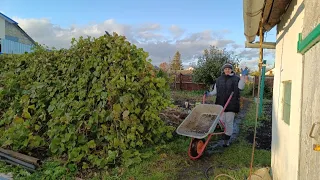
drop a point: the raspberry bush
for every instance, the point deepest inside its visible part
(95, 104)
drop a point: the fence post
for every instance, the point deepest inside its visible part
(254, 85)
(180, 81)
(263, 72)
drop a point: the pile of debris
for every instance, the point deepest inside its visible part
(174, 116)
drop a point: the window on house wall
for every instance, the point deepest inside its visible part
(286, 101)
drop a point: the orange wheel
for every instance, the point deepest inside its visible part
(200, 144)
(196, 146)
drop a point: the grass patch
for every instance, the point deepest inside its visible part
(238, 155)
(191, 96)
(166, 162)
(249, 121)
(49, 170)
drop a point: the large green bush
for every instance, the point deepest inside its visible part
(94, 104)
(209, 65)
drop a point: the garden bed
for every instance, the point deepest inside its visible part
(264, 130)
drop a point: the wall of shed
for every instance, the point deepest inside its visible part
(288, 66)
(309, 159)
(2, 28)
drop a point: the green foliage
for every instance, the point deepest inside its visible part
(162, 74)
(268, 93)
(49, 170)
(210, 63)
(248, 90)
(176, 63)
(250, 118)
(249, 121)
(96, 103)
(255, 73)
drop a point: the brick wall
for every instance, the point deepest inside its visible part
(14, 33)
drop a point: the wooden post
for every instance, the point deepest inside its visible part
(254, 85)
(180, 81)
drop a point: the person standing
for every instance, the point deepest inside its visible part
(227, 83)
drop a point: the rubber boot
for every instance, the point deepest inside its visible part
(226, 140)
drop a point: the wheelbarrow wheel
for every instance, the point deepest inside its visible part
(196, 147)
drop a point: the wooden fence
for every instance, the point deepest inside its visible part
(268, 81)
(268, 84)
(184, 82)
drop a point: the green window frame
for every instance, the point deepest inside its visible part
(286, 101)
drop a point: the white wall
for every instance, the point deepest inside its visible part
(310, 159)
(288, 66)
(2, 28)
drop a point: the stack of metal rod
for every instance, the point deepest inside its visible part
(27, 162)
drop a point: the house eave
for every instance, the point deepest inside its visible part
(271, 11)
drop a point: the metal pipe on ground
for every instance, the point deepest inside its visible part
(28, 159)
(5, 156)
(17, 164)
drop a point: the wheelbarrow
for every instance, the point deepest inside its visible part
(200, 123)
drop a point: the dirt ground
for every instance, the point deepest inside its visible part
(264, 132)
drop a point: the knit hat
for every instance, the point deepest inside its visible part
(227, 65)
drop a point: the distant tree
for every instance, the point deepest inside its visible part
(209, 65)
(176, 63)
(255, 73)
(164, 67)
(193, 64)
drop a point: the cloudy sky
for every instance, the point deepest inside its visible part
(160, 27)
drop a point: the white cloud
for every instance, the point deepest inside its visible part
(149, 36)
(149, 27)
(253, 64)
(176, 30)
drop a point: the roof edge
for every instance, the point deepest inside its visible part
(26, 34)
(8, 19)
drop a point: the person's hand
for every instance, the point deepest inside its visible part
(244, 72)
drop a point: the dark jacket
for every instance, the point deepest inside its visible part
(225, 86)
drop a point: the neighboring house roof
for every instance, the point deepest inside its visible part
(270, 72)
(16, 24)
(184, 72)
(7, 19)
(26, 34)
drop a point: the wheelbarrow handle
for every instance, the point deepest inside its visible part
(225, 106)
(227, 103)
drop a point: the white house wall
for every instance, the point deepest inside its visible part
(2, 28)
(310, 159)
(288, 66)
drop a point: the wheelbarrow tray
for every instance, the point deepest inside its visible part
(202, 121)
